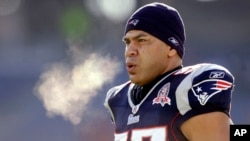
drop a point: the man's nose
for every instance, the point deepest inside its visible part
(131, 50)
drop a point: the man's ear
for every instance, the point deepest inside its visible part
(172, 52)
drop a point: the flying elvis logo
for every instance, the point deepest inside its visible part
(134, 22)
(208, 88)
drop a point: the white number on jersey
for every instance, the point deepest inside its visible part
(152, 134)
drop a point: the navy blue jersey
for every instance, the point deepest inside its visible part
(175, 98)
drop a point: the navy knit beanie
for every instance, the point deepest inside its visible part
(161, 21)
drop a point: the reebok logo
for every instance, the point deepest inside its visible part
(174, 41)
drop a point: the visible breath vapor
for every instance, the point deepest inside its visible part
(66, 88)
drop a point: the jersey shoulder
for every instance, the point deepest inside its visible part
(204, 67)
(210, 72)
(114, 90)
(206, 87)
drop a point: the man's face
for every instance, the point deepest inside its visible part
(146, 56)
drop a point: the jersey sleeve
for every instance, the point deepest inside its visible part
(209, 89)
(112, 92)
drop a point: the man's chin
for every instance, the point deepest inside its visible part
(133, 78)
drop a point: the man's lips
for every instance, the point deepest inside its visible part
(130, 66)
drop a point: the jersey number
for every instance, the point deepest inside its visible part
(148, 134)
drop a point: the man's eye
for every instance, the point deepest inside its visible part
(142, 40)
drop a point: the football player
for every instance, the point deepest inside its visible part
(164, 100)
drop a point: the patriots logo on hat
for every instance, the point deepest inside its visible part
(134, 22)
(208, 88)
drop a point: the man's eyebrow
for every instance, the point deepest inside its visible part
(135, 37)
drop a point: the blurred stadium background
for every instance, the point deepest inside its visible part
(46, 42)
